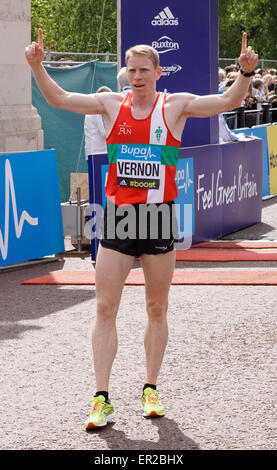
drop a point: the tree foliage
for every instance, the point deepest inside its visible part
(257, 17)
(73, 25)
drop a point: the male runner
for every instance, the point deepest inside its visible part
(156, 121)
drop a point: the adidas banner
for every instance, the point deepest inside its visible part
(186, 36)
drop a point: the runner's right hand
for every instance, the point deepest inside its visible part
(35, 52)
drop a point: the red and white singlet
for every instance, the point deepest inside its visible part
(143, 155)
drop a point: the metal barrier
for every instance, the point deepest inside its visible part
(242, 117)
(262, 64)
(223, 62)
(87, 55)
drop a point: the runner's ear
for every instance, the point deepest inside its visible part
(159, 72)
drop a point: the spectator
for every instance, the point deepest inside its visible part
(250, 101)
(235, 67)
(260, 72)
(259, 92)
(268, 81)
(221, 75)
(221, 80)
(122, 81)
(94, 127)
(273, 97)
(229, 80)
(231, 68)
(95, 132)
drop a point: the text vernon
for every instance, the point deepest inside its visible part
(129, 168)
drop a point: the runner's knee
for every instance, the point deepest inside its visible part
(106, 309)
(156, 310)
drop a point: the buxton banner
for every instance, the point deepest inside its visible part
(186, 36)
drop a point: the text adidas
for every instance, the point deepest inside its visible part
(165, 22)
(165, 18)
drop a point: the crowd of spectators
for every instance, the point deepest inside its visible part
(262, 88)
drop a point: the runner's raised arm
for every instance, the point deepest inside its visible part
(53, 93)
(205, 106)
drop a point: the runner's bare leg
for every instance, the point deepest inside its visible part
(112, 268)
(158, 272)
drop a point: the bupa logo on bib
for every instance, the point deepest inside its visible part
(139, 152)
(138, 166)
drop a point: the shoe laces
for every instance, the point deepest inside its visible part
(151, 396)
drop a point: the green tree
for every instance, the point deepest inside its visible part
(73, 25)
(257, 17)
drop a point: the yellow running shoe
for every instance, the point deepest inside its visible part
(101, 412)
(151, 404)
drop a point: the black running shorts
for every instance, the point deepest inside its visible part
(137, 229)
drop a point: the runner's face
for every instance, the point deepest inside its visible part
(142, 74)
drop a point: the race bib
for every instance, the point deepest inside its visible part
(138, 166)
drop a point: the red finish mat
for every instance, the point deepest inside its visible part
(259, 278)
(237, 244)
(221, 255)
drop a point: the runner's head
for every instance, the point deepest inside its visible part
(144, 51)
(143, 69)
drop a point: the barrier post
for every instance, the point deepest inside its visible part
(241, 117)
(79, 221)
(266, 113)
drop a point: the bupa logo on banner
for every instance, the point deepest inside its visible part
(30, 213)
(184, 203)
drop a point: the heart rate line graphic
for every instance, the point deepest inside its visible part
(184, 176)
(18, 222)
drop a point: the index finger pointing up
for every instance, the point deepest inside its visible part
(40, 37)
(244, 43)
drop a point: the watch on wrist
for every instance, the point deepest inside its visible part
(247, 74)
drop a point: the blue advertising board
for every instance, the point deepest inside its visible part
(97, 174)
(227, 187)
(30, 212)
(219, 189)
(185, 199)
(260, 132)
(241, 185)
(186, 36)
(206, 163)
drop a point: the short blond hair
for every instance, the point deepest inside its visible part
(143, 50)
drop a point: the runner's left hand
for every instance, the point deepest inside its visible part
(248, 58)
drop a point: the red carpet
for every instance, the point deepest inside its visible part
(224, 251)
(237, 245)
(135, 278)
(211, 251)
(215, 255)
